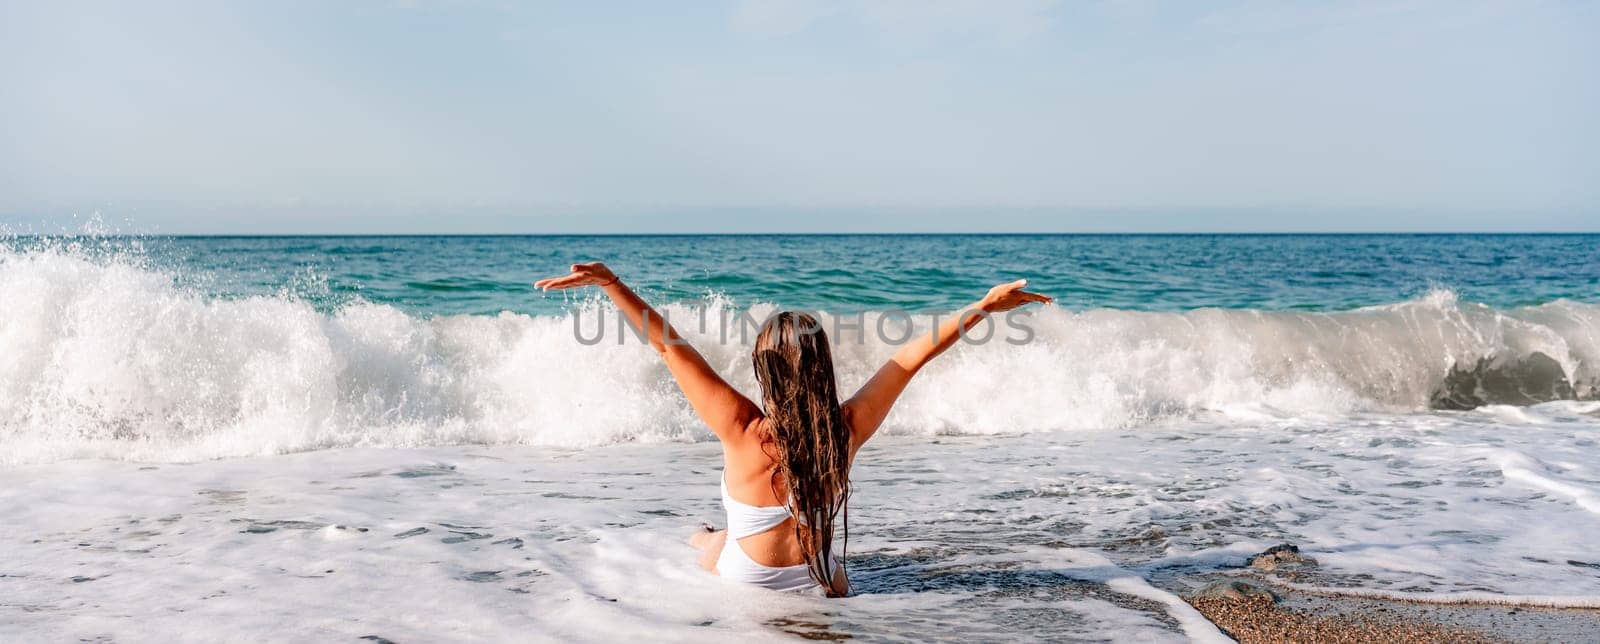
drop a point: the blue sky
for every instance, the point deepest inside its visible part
(750, 116)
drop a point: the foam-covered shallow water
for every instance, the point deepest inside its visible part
(1049, 536)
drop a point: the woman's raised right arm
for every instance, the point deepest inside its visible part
(726, 411)
(871, 404)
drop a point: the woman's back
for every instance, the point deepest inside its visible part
(751, 477)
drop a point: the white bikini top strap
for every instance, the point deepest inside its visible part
(745, 519)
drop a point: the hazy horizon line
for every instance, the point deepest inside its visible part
(1419, 233)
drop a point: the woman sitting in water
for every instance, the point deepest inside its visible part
(786, 463)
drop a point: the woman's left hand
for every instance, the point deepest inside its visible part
(590, 274)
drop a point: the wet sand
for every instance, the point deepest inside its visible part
(1308, 617)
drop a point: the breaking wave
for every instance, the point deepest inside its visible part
(108, 357)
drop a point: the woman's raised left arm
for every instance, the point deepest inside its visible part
(867, 409)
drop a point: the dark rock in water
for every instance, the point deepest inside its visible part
(1281, 556)
(410, 533)
(1233, 589)
(1499, 380)
(377, 640)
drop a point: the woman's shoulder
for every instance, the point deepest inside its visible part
(748, 447)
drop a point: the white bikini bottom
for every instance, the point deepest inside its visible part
(735, 565)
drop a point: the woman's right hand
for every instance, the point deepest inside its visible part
(1010, 295)
(590, 274)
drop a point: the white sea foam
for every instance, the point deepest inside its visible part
(1530, 471)
(109, 358)
(1051, 536)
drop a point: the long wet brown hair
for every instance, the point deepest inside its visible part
(809, 439)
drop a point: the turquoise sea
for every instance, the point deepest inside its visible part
(486, 275)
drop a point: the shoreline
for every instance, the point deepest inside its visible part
(1308, 616)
